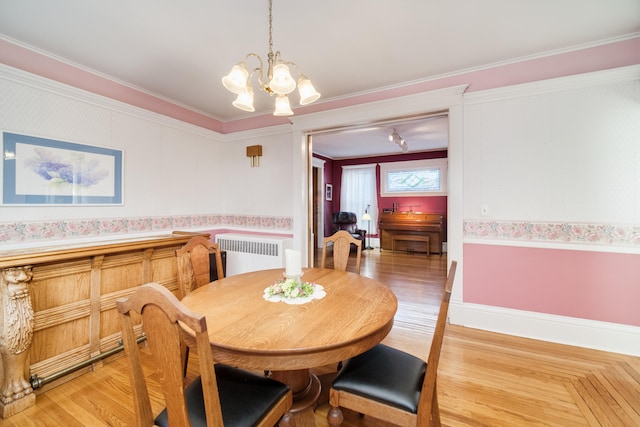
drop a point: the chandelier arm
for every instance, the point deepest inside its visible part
(294, 65)
(264, 85)
(249, 55)
(255, 55)
(259, 69)
(272, 59)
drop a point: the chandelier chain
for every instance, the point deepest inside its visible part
(270, 55)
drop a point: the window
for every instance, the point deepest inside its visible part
(358, 191)
(414, 178)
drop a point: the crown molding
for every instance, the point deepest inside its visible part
(577, 81)
(42, 83)
(435, 100)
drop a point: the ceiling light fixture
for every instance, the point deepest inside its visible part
(278, 80)
(395, 137)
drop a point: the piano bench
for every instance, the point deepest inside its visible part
(409, 238)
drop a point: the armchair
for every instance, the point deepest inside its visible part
(348, 221)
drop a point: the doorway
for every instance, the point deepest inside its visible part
(423, 136)
(441, 100)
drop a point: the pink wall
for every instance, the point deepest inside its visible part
(588, 285)
(619, 54)
(434, 204)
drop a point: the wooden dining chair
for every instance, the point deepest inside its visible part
(341, 241)
(390, 384)
(193, 264)
(220, 396)
(194, 270)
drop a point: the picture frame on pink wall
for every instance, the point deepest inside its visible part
(40, 171)
(328, 194)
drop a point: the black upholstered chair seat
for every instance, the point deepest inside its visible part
(244, 398)
(391, 385)
(397, 380)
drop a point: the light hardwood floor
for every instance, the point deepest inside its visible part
(485, 379)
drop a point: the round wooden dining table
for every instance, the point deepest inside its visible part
(248, 331)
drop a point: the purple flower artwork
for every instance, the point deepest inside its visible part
(75, 171)
(42, 171)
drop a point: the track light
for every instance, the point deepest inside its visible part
(395, 137)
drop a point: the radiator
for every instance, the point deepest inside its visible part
(251, 252)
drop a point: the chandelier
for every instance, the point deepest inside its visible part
(278, 81)
(395, 137)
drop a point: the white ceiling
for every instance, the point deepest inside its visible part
(179, 50)
(372, 139)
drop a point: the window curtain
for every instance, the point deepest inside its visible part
(358, 189)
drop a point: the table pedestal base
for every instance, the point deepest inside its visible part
(305, 387)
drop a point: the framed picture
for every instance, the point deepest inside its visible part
(39, 171)
(329, 192)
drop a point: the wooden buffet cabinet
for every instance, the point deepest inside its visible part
(57, 307)
(407, 224)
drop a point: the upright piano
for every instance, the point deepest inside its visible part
(408, 224)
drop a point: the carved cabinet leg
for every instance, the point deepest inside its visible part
(16, 333)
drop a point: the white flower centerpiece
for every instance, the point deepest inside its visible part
(292, 289)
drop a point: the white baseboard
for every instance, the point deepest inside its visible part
(611, 337)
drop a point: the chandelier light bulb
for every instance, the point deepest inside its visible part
(308, 93)
(283, 108)
(282, 83)
(244, 101)
(236, 80)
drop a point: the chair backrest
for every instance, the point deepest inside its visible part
(342, 242)
(161, 311)
(193, 263)
(428, 392)
(345, 221)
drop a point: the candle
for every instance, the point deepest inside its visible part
(292, 263)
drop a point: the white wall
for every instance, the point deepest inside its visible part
(569, 152)
(168, 171)
(266, 189)
(176, 176)
(166, 162)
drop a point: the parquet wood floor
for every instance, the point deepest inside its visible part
(485, 379)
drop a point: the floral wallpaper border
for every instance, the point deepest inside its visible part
(561, 232)
(16, 232)
(603, 234)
